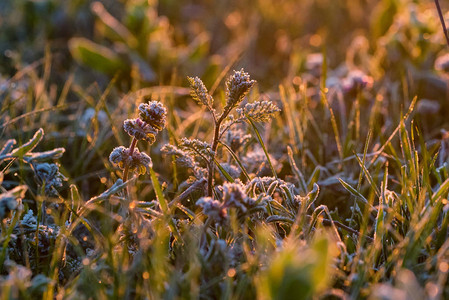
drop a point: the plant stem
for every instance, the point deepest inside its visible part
(211, 162)
(131, 151)
(126, 170)
(440, 14)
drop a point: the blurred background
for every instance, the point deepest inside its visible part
(155, 42)
(77, 67)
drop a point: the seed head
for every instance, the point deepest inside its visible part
(196, 147)
(183, 158)
(153, 113)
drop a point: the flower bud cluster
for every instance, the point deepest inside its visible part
(212, 208)
(137, 161)
(154, 114)
(140, 130)
(11, 200)
(151, 120)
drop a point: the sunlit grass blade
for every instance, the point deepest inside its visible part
(237, 160)
(164, 205)
(223, 171)
(259, 139)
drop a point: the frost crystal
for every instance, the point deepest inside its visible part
(196, 147)
(183, 158)
(11, 200)
(232, 170)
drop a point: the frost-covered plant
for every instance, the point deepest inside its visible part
(25, 152)
(49, 176)
(236, 139)
(357, 80)
(234, 196)
(238, 86)
(11, 200)
(256, 162)
(152, 118)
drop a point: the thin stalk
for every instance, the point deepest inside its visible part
(131, 151)
(214, 149)
(443, 24)
(125, 176)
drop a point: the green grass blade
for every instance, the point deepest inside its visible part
(259, 139)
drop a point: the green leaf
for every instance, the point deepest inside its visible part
(354, 192)
(299, 176)
(45, 155)
(223, 171)
(164, 205)
(30, 145)
(96, 56)
(259, 139)
(237, 160)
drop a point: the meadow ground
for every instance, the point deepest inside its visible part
(224, 149)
